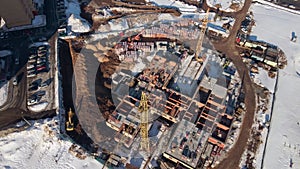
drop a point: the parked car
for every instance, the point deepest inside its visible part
(30, 66)
(42, 59)
(31, 74)
(33, 88)
(43, 85)
(41, 68)
(33, 100)
(42, 54)
(40, 93)
(31, 60)
(43, 47)
(41, 64)
(33, 56)
(15, 81)
(37, 82)
(31, 70)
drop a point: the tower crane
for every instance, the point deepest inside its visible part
(201, 37)
(143, 109)
(69, 123)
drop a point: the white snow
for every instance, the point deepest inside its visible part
(77, 23)
(263, 78)
(276, 6)
(3, 93)
(119, 24)
(38, 107)
(297, 65)
(275, 26)
(2, 22)
(100, 35)
(39, 146)
(165, 16)
(173, 3)
(139, 66)
(225, 4)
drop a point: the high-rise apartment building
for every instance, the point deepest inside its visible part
(16, 12)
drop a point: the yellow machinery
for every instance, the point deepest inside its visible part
(143, 108)
(201, 37)
(69, 123)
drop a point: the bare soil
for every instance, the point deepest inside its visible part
(228, 47)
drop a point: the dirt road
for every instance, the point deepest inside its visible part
(228, 47)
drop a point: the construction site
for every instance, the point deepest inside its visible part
(183, 106)
(178, 102)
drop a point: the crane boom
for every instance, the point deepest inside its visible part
(201, 36)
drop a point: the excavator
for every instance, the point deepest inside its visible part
(69, 123)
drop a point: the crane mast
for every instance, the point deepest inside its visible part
(143, 109)
(201, 37)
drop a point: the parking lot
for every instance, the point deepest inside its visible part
(14, 75)
(40, 77)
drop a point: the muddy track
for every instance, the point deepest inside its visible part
(228, 47)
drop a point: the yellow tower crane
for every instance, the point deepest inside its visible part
(201, 37)
(143, 109)
(69, 123)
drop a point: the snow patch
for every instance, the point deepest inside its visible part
(297, 65)
(75, 21)
(38, 107)
(119, 24)
(172, 3)
(263, 78)
(40, 146)
(78, 25)
(3, 94)
(225, 4)
(275, 26)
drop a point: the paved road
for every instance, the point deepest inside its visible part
(228, 47)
